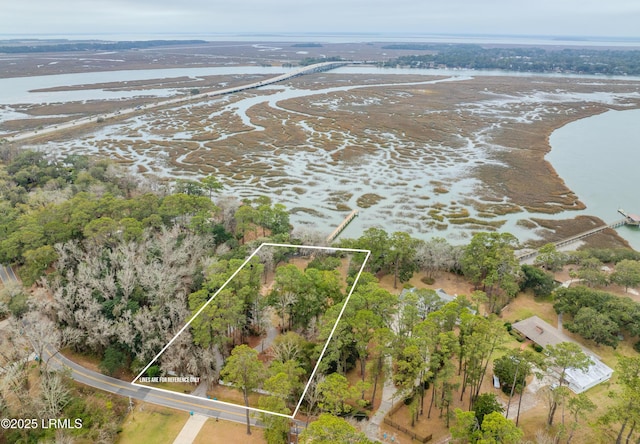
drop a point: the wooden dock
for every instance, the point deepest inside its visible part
(576, 238)
(580, 236)
(342, 226)
(630, 219)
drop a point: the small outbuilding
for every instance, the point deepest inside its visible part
(544, 334)
(442, 298)
(634, 219)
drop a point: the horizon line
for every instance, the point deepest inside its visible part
(402, 34)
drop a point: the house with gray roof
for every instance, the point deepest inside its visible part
(544, 334)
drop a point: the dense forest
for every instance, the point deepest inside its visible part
(114, 266)
(543, 60)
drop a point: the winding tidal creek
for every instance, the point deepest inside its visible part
(433, 153)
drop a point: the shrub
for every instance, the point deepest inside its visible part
(18, 305)
(113, 361)
(428, 280)
(517, 335)
(153, 371)
(325, 263)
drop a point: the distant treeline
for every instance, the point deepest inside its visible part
(92, 46)
(313, 60)
(568, 60)
(306, 45)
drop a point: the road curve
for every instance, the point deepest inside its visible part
(55, 360)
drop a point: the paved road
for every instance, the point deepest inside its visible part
(206, 407)
(203, 406)
(7, 274)
(178, 401)
(174, 101)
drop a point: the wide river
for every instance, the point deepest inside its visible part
(599, 159)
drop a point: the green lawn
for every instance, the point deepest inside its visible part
(150, 423)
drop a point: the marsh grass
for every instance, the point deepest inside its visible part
(369, 199)
(418, 136)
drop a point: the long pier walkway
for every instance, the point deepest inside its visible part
(580, 236)
(564, 242)
(342, 226)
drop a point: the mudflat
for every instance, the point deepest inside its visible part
(436, 152)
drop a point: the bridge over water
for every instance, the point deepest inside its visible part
(317, 67)
(309, 69)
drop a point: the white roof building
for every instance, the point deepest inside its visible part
(545, 334)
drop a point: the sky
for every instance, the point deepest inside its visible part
(603, 18)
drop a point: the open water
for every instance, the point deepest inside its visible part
(599, 159)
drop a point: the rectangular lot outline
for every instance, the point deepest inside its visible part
(322, 353)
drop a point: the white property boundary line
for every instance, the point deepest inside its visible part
(324, 349)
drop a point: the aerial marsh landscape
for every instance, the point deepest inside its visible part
(430, 152)
(327, 240)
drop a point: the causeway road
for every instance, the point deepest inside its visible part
(92, 120)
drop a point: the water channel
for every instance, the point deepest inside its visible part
(603, 182)
(599, 159)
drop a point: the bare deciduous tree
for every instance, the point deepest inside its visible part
(132, 293)
(287, 347)
(54, 393)
(434, 256)
(42, 333)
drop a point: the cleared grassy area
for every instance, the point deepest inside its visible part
(150, 423)
(231, 395)
(227, 431)
(526, 305)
